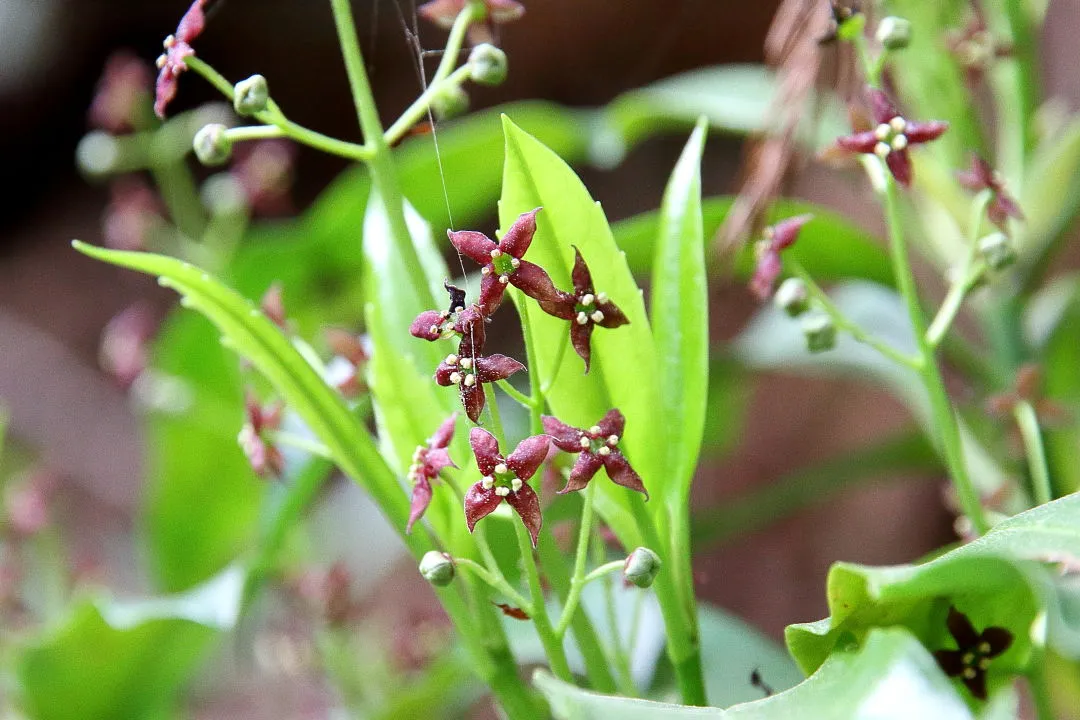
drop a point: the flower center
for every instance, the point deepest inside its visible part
(593, 440)
(502, 479)
(891, 137)
(503, 264)
(586, 309)
(466, 370)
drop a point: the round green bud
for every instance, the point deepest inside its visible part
(449, 102)
(819, 331)
(98, 153)
(250, 96)
(997, 251)
(487, 65)
(642, 567)
(222, 194)
(437, 568)
(894, 33)
(212, 145)
(792, 297)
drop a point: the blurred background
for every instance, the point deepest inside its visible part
(80, 435)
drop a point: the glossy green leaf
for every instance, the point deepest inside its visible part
(986, 579)
(890, 677)
(624, 366)
(830, 248)
(680, 313)
(87, 669)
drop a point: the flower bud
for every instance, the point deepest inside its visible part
(212, 145)
(250, 96)
(792, 297)
(437, 568)
(487, 65)
(894, 33)
(820, 332)
(641, 567)
(997, 251)
(449, 102)
(98, 153)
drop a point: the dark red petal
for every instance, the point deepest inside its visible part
(528, 456)
(978, 177)
(765, 274)
(951, 661)
(479, 503)
(881, 106)
(619, 470)
(917, 132)
(486, 449)
(584, 469)
(443, 435)
(1005, 203)
(612, 423)
(977, 684)
(253, 410)
(613, 316)
(564, 307)
(517, 239)
(491, 293)
(996, 213)
(534, 281)
(418, 504)
(443, 373)
(527, 504)
(579, 338)
(427, 325)
(475, 245)
(164, 90)
(900, 166)
(565, 437)
(473, 330)
(457, 297)
(193, 22)
(435, 460)
(581, 276)
(503, 11)
(472, 399)
(786, 232)
(999, 639)
(441, 12)
(511, 611)
(496, 367)
(863, 142)
(961, 629)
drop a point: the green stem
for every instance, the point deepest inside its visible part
(1028, 422)
(577, 582)
(967, 277)
(603, 571)
(313, 447)
(521, 398)
(555, 366)
(495, 581)
(844, 323)
(944, 417)
(442, 74)
(254, 132)
(536, 409)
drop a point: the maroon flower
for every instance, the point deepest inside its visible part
(892, 136)
(443, 12)
(502, 263)
(599, 446)
(273, 305)
(469, 370)
(973, 653)
(177, 49)
(775, 239)
(505, 479)
(265, 171)
(345, 369)
(427, 463)
(123, 352)
(455, 320)
(980, 176)
(266, 460)
(975, 49)
(585, 308)
(133, 216)
(124, 85)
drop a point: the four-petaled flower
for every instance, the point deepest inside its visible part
(428, 462)
(599, 446)
(584, 309)
(980, 176)
(456, 320)
(892, 136)
(505, 479)
(266, 460)
(973, 653)
(503, 264)
(775, 239)
(469, 370)
(443, 12)
(177, 48)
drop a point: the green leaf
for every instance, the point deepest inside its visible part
(987, 580)
(87, 669)
(1062, 385)
(892, 676)
(680, 313)
(1050, 198)
(248, 331)
(830, 248)
(624, 365)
